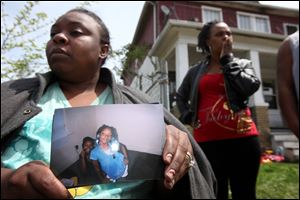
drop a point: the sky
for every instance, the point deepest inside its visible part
(286, 4)
(120, 17)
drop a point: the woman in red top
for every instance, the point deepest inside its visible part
(213, 99)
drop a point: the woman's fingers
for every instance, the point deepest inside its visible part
(174, 155)
(35, 180)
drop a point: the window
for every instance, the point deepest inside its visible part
(244, 22)
(270, 94)
(290, 28)
(262, 25)
(252, 22)
(211, 13)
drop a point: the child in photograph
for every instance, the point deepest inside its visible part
(87, 171)
(110, 158)
(81, 172)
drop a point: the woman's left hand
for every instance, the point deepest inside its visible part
(226, 47)
(177, 155)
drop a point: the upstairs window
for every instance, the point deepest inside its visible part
(262, 25)
(211, 14)
(252, 22)
(290, 28)
(244, 22)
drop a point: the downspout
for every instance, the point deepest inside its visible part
(153, 3)
(162, 66)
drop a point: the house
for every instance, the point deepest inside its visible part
(170, 28)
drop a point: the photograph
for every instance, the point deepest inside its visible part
(108, 143)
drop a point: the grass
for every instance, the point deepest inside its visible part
(278, 181)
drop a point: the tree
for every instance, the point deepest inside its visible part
(22, 55)
(20, 36)
(130, 57)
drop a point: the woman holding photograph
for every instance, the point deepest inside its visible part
(78, 47)
(109, 159)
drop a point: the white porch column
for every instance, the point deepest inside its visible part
(182, 62)
(258, 98)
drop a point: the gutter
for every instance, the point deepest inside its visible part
(172, 23)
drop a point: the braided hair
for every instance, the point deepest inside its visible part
(204, 35)
(114, 134)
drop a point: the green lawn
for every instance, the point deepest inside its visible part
(278, 181)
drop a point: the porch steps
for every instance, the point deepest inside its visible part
(286, 143)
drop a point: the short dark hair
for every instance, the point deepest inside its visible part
(104, 33)
(87, 139)
(204, 35)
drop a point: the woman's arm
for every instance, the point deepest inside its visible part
(183, 99)
(124, 151)
(240, 75)
(286, 91)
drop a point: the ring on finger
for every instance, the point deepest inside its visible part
(189, 159)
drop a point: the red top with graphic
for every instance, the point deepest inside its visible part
(217, 121)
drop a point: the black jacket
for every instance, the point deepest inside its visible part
(240, 83)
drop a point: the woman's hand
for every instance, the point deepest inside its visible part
(177, 155)
(32, 180)
(226, 47)
(82, 154)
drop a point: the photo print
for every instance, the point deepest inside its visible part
(107, 144)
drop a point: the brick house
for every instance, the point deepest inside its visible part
(170, 28)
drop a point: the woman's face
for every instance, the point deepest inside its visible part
(219, 34)
(105, 136)
(74, 50)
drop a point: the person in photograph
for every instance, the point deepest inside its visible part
(77, 49)
(82, 171)
(87, 171)
(288, 81)
(119, 147)
(109, 159)
(213, 99)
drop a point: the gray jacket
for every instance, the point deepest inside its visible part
(18, 105)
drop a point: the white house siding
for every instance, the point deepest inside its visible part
(154, 93)
(143, 81)
(182, 62)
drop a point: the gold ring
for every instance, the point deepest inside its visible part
(189, 159)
